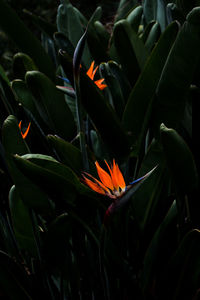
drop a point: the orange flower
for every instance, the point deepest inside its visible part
(91, 72)
(24, 135)
(111, 184)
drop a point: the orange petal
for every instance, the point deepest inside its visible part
(94, 186)
(99, 84)
(24, 135)
(117, 177)
(91, 72)
(104, 177)
(20, 125)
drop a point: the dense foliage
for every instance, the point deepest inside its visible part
(59, 239)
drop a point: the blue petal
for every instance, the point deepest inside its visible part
(137, 180)
(65, 79)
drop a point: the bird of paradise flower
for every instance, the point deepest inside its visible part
(113, 185)
(90, 73)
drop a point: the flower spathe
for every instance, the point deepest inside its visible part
(24, 135)
(91, 73)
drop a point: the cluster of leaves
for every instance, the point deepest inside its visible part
(53, 244)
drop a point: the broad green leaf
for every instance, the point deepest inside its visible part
(133, 54)
(146, 30)
(180, 279)
(3, 75)
(69, 154)
(51, 105)
(21, 64)
(153, 37)
(13, 143)
(117, 100)
(97, 45)
(8, 103)
(102, 33)
(69, 23)
(120, 76)
(124, 8)
(8, 242)
(155, 10)
(186, 6)
(178, 73)
(42, 24)
(24, 39)
(57, 180)
(174, 13)
(21, 222)
(134, 18)
(179, 159)
(14, 281)
(160, 248)
(103, 117)
(24, 96)
(139, 106)
(151, 201)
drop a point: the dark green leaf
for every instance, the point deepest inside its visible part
(133, 54)
(178, 73)
(21, 222)
(138, 109)
(24, 39)
(51, 105)
(103, 117)
(13, 279)
(179, 160)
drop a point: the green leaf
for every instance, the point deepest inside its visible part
(69, 154)
(8, 103)
(134, 18)
(139, 106)
(180, 279)
(124, 8)
(173, 13)
(42, 24)
(178, 73)
(103, 117)
(21, 64)
(24, 39)
(133, 54)
(151, 201)
(97, 45)
(117, 100)
(57, 180)
(153, 37)
(3, 75)
(69, 23)
(51, 105)
(180, 160)
(24, 96)
(21, 222)
(160, 248)
(155, 10)
(13, 280)
(13, 143)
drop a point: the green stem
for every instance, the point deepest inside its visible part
(80, 125)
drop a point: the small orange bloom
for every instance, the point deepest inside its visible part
(111, 185)
(91, 72)
(24, 135)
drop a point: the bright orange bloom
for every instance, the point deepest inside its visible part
(111, 185)
(91, 72)
(24, 135)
